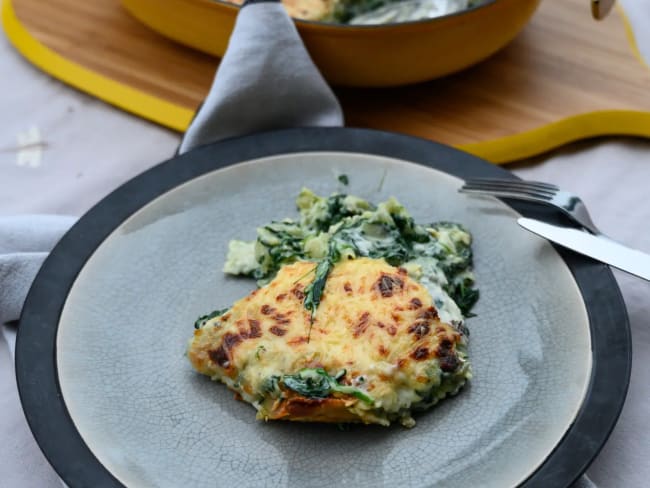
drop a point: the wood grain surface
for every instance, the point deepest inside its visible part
(564, 64)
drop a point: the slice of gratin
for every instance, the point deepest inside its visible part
(375, 352)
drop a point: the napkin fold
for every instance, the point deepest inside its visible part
(25, 242)
(265, 81)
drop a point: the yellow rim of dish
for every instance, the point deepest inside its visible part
(500, 151)
(119, 94)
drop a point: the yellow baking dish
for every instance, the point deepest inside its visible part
(377, 55)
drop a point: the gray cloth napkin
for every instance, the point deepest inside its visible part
(266, 81)
(24, 244)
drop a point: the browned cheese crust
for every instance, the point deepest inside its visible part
(373, 321)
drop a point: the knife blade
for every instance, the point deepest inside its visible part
(598, 247)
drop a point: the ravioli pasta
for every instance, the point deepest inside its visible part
(359, 316)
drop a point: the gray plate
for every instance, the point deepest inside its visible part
(150, 420)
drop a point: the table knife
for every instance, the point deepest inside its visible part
(599, 247)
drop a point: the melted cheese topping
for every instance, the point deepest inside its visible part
(374, 322)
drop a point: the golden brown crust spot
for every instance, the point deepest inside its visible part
(223, 354)
(429, 314)
(281, 319)
(448, 359)
(219, 356)
(362, 325)
(255, 329)
(387, 285)
(421, 353)
(297, 292)
(419, 329)
(297, 341)
(278, 331)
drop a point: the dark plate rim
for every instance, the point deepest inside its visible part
(36, 365)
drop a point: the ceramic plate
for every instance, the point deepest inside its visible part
(111, 397)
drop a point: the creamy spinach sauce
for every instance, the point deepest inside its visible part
(362, 12)
(330, 229)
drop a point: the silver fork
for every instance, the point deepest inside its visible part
(534, 191)
(597, 245)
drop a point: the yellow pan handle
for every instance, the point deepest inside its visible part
(600, 8)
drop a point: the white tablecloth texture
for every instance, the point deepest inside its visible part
(82, 149)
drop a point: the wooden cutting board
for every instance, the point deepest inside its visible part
(566, 77)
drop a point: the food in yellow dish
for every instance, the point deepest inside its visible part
(373, 11)
(359, 317)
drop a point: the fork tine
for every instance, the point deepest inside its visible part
(517, 194)
(485, 188)
(515, 183)
(545, 193)
(508, 193)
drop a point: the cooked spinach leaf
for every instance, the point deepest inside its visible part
(201, 321)
(373, 240)
(464, 295)
(314, 290)
(270, 384)
(345, 11)
(336, 211)
(309, 383)
(280, 243)
(260, 349)
(316, 383)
